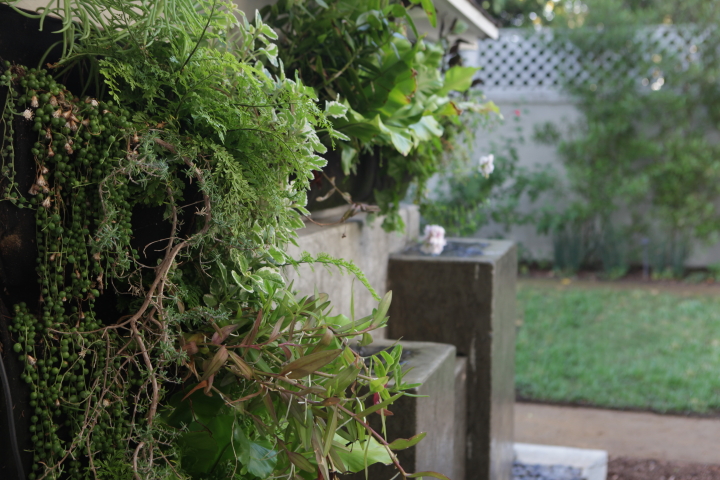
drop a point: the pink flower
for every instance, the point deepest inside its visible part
(517, 113)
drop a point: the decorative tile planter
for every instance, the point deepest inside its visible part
(466, 297)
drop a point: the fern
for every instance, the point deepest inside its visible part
(343, 266)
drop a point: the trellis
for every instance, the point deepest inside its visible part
(524, 64)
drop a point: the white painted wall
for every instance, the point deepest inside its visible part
(525, 114)
(562, 112)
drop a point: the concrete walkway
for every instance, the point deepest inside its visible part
(630, 434)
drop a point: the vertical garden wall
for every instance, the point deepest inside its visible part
(155, 165)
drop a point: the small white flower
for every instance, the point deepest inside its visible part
(434, 240)
(28, 114)
(34, 102)
(487, 165)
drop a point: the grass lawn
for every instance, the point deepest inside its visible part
(608, 347)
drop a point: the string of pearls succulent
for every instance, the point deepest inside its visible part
(81, 381)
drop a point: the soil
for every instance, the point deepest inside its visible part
(626, 468)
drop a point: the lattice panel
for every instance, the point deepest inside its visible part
(520, 62)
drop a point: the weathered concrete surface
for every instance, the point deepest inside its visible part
(433, 365)
(468, 302)
(628, 434)
(460, 445)
(364, 243)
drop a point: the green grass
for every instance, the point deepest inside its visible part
(619, 349)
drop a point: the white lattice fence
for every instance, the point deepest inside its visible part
(523, 64)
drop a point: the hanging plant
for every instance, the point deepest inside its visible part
(207, 366)
(404, 108)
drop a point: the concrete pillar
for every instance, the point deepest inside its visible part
(460, 418)
(469, 302)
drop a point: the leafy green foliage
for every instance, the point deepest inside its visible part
(190, 121)
(465, 200)
(284, 386)
(648, 130)
(398, 98)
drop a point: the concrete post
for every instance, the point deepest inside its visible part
(468, 302)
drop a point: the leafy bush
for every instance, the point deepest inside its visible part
(645, 147)
(465, 199)
(401, 105)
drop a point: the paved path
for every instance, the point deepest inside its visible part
(640, 435)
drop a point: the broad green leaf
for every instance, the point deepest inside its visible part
(209, 300)
(344, 379)
(353, 455)
(278, 255)
(450, 109)
(347, 156)
(216, 363)
(457, 79)
(429, 8)
(367, 339)
(304, 366)
(335, 109)
(337, 320)
(258, 459)
(401, 139)
(382, 309)
(395, 101)
(268, 32)
(363, 128)
(198, 451)
(402, 443)
(395, 9)
(379, 383)
(427, 128)
(301, 462)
